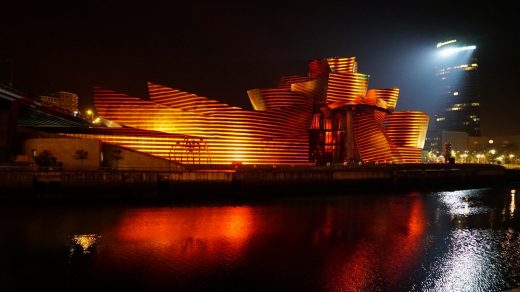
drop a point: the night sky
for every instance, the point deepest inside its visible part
(220, 49)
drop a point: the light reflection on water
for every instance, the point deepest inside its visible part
(477, 260)
(182, 239)
(477, 257)
(466, 240)
(512, 206)
(85, 241)
(464, 202)
(390, 246)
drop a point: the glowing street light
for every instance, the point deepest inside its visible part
(478, 157)
(90, 114)
(492, 151)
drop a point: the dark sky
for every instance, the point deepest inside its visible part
(221, 49)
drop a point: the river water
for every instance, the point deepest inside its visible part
(459, 240)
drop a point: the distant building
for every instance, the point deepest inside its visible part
(459, 96)
(63, 100)
(458, 140)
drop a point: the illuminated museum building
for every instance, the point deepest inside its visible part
(328, 116)
(459, 96)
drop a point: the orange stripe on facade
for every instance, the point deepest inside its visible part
(277, 130)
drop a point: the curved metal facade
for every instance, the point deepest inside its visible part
(285, 119)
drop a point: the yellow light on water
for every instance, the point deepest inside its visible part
(85, 241)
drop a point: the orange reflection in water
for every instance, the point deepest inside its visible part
(386, 251)
(185, 238)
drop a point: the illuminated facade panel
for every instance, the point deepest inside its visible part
(407, 128)
(180, 148)
(232, 135)
(183, 100)
(407, 131)
(273, 98)
(347, 88)
(383, 98)
(318, 68)
(316, 88)
(342, 65)
(287, 81)
(371, 140)
(329, 116)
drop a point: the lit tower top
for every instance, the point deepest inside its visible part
(459, 94)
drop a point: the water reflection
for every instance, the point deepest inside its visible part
(474, 255)
(185, 240)
(512, 205)
(464, 202)
(474, 261)
(384, 253)
(447, 241)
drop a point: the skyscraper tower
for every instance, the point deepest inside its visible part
(459, 96)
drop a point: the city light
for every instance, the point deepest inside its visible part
(453, 50)
(491, 141)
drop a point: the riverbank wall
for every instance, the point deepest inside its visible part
(248, 180)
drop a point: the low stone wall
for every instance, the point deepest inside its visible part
(104, 182)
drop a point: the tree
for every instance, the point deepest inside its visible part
(81, 155)
(45, 159)
(117, 155)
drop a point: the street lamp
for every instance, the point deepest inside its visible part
(511, 156)
(89, 114)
